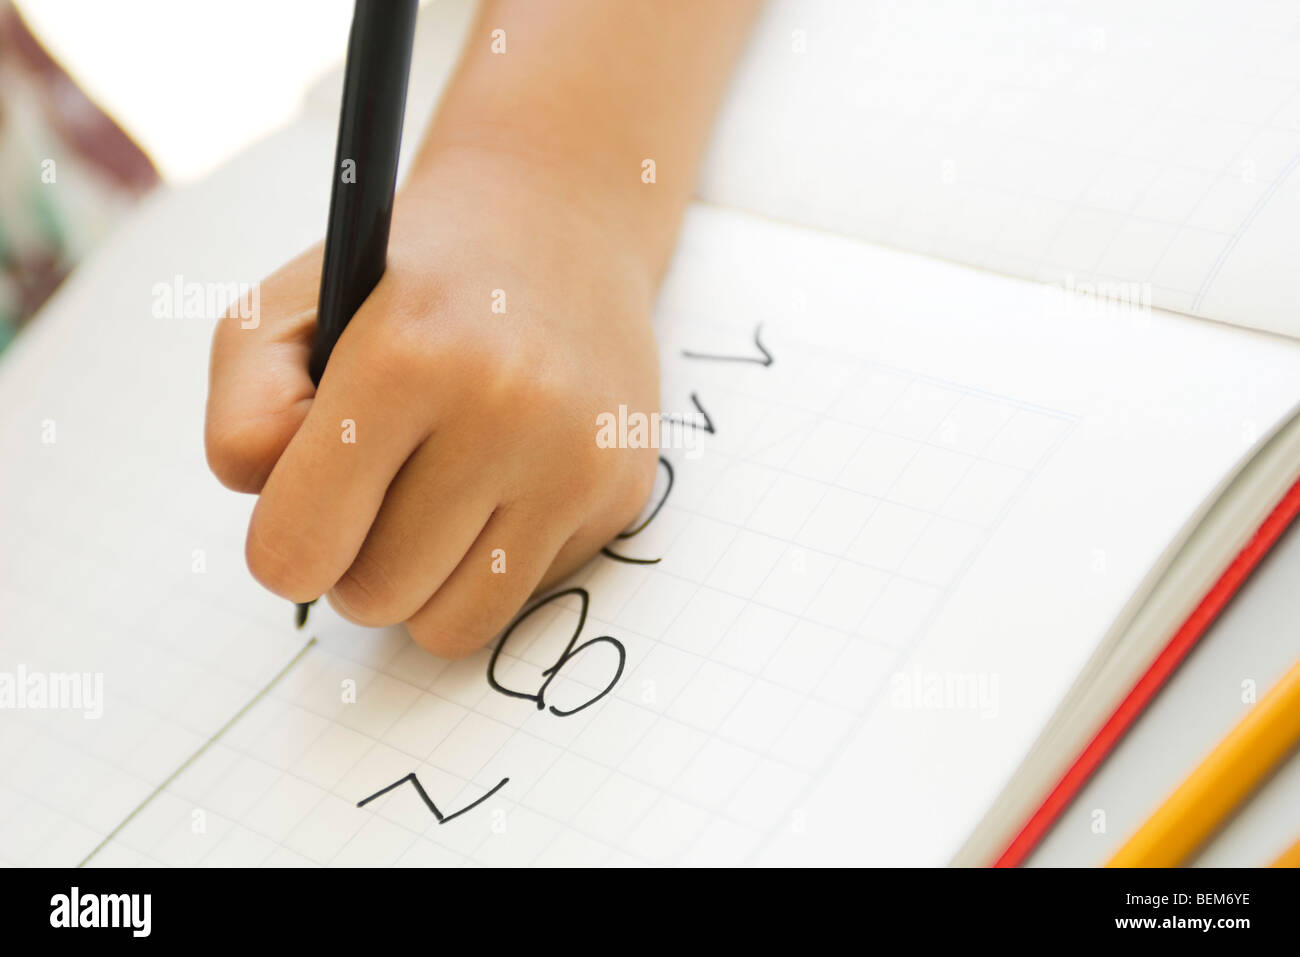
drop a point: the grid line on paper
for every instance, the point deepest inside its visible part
(675, 792)
(1111, 201)
(522, 801)
(199, 753)
(1245, 224)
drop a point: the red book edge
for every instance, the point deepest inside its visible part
(1215, 600)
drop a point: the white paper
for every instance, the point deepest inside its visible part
(919, 483)
(1147, 150)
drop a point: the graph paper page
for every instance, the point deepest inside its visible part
(901, 471)
(1142, 149)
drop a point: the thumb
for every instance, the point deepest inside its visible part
(258, 387)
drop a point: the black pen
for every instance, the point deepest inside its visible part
(365, 171)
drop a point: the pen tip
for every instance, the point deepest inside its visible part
(300, 612)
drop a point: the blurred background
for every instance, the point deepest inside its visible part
(111, 99)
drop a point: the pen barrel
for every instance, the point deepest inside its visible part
(365, 166)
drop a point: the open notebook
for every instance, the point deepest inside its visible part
(940, 521)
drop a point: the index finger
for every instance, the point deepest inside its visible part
(258, 387)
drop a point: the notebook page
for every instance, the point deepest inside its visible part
(1147, 149)
(122, 559)
(941, 473)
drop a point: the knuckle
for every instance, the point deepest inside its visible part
(242, 452)
(367, 594)
(378, 368)
(509, 385)
(641, 479)
(394, 353)
(274, 565)
(439, 636)
(615, 479)
(229, 457)
(585, 478)
(407, 336)
(631, 491)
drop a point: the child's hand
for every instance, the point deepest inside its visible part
(554, 174)
(447, 441)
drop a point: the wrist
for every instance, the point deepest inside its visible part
(579, 189)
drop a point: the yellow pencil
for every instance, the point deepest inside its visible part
(1232, 770)
(1290, 857)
